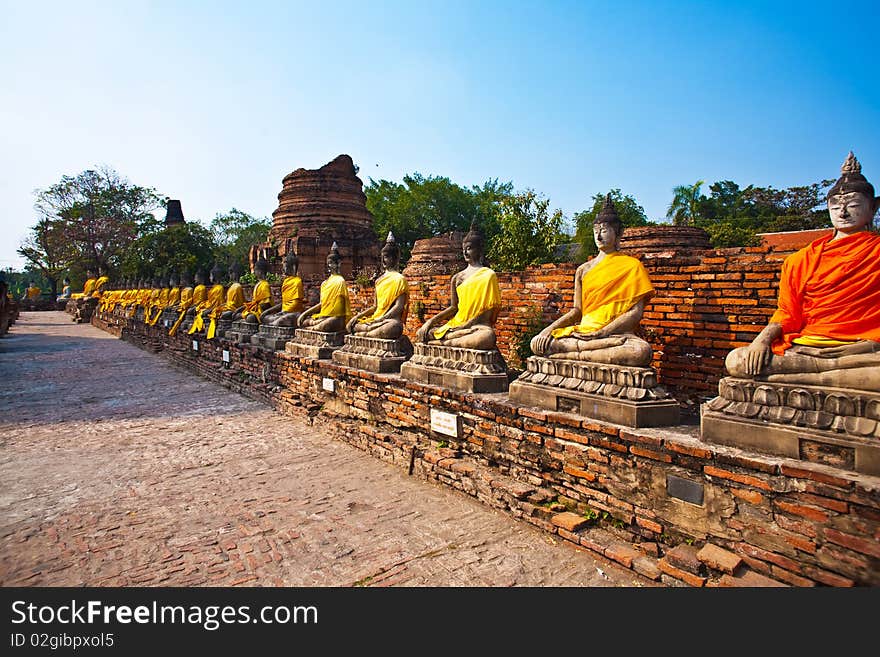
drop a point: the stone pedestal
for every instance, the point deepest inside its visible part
(624, 395)
(318, 345)
(465, 370)
(167, 318)
(221, 327)
(241, 332)
(834, 426)
(273, 338)
(374, 354)
(82, 309)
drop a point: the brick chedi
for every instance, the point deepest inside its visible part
(436, 255)
(317, 207)
(659, 239)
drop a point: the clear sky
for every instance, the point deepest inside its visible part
(213, 103)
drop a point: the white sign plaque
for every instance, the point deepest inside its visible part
(445, 423)
(195, 345)
(328, 384)
(225, 355)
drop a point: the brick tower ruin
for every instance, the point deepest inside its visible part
(317, 207)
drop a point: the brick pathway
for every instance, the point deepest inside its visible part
(119, 470)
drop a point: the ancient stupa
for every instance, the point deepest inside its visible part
(317, 207)
(174, 213)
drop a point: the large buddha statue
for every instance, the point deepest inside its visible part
(386, 318)
(826, 328)
(287, 311)
(475, 301)
(88, 286)
(375, 340)
(808, 386)
(456, 348)
(333, 310)
(610, 292)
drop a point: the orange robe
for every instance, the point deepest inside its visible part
(830, 290)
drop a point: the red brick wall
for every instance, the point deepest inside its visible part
(595, 484)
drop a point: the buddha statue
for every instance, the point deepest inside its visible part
(88, 286)
(386, 318)
(65, 290)
(610, 292)
(261, 297)
(474, 306)
(234, 301)
(287, 312)
(808, 385)
(212, 306)
(826, 328)
(160, 302)
(332, 312)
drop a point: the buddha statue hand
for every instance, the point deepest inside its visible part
(540, 344)
(860, 347)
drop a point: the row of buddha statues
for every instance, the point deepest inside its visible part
(824, 336)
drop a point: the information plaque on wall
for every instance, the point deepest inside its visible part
(195, 345)
(328, 384)
(445, 423)
(225, 355)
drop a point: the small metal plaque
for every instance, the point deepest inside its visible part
(328, 384)
(225, 355)
(195, 345)
(167, 323)
(445, 423)
(684, 489)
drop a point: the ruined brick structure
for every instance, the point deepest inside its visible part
(317, 207)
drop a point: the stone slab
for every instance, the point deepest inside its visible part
(313, 351)
(651, 413)
(378, 364)
(455, 379)
(844, 452)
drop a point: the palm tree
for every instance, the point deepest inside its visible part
(683, 209)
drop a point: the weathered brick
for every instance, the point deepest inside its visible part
(651, 454)
(749, 578)
(684, 556)
(678, 573)
(569, 521)
(622, 554)
(647, 567)
(803, 510)
(718, 558)
(740, 478)
(750, 496)
(864, 546)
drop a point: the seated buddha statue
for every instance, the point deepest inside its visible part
(88, 286)
(475, 301)
(212, 306)
(65, 290)
(610, 292)
(332, 312)
(161, 302)
(292, 302)
(386, 318)
(826, 327)
(186, 311)
(261, 297)
(234, 300)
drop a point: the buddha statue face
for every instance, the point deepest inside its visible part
(333, 263)
(851, 212)
(606, 235)
(472, 250)
(291, 264)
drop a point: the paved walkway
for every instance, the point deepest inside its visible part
(118, 469)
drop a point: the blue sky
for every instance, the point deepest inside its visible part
(214, 102)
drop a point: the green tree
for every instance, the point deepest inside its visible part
(423, 207)
(183, 247)
(99, 214)
(630, 212)
(235, 232)
(528, 232)
(684, 208)
(47, 249)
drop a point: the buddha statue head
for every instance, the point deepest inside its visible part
(172, 280)
(290, 264)
(473, 246)
(334, 260)
(185, 278)
(261, 267)
(217, 273)
(200, 276)
(390, 253)
(235, 272)
(851, 201)
(607, 227)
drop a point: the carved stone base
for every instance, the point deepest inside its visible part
(221, 327)
(374, 354)
(241, 332)
(273, 338)
(624, 395)
(82, 309)
(318, 345)
(465, 370)
(834, 426)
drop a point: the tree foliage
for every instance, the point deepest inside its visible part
(47, 250)
(423, 207)
(684, 208)
(96, 215)
(235, 232)
(186, 247)
(528, 231)
(629, 210)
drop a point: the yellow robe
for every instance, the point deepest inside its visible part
(98, 290)
(334, 298)
(159, 305)
(262, 294)
(292, 295)
(33, 292)
(477, 294)
(87, 289)
(213, 304)
(608, 290)
(186, 300)
(389, 286)
(234, 301)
